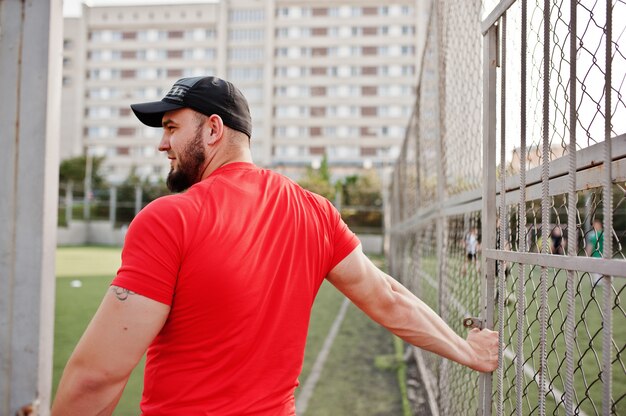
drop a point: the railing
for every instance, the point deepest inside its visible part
(511, 136)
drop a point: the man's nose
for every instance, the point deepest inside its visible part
(164, 144)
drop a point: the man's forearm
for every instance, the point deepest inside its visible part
(414, 321)
(393, 306)
(81, 392)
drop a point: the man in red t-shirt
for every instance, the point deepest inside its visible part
(217, 282)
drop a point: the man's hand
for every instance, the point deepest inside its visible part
(484, 345)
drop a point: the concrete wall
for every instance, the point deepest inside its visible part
(371, 243)
(93, 232)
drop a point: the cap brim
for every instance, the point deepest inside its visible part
(151, 114)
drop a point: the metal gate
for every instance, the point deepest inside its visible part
(508, 202)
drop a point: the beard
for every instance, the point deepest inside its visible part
(190, 161)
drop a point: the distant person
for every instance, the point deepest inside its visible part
(558, 243)
(471, 245)
(217, 282)
(595, 245)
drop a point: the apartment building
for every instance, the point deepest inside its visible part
(334, 78)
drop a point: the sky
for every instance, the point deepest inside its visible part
(73, 7)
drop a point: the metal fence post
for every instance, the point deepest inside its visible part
(607, 203)
(489, 196)
(112, 205)
(572, 242)
(138, 197)
(69, 201)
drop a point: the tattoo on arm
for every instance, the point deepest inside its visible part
(121, 293)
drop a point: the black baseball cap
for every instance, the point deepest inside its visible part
(206, 95)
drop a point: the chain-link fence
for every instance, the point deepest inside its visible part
(116, 204)
(512, 173)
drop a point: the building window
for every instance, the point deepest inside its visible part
(245, 34)
(369, 31)
(293, 32)
(126, 131)
(318, 91)
(198, 72)
(368, 132)
(319, 51)
(199, 53)
(369, 90)
(103, 74)
(318, 111)
(407, 50)
(368, 151)
(408, 30)
(129, 35)
(343, 152)
(174, 53)
(174, 73)
(151, 35)
(291, 71)
(246, 54)
(319, 11)
(175, 34)
(290, 151)
(370, 11)
(245, 74)
(105, 36)
(293, 12)
(128, 73)
(246, 15)
(292, 111)
(319, 31)
(369, 70)
(369, 111)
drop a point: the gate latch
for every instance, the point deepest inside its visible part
(473, 322)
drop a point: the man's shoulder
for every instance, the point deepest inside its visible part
(168, 207)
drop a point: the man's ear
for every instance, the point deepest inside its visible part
(216, 127)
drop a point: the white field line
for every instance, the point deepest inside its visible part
(309, 385)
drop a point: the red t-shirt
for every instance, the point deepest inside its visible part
(239, 257)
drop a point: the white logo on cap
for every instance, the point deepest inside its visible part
(177, 92)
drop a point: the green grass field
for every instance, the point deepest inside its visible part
(351, 382)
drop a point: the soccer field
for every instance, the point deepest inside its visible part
(350, 383)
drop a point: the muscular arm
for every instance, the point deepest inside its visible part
(112, 345)
(393, 306)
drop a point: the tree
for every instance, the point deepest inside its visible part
(318, 180)
(362, 190)
(73, 170)
(362, 202)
